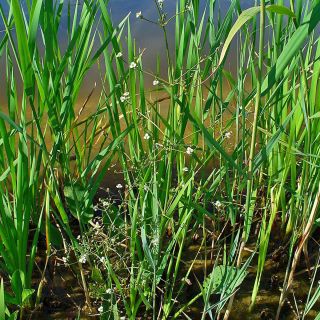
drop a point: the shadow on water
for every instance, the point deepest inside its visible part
(63, 295)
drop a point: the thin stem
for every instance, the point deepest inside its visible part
(248, 206)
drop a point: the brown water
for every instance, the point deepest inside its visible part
(147, 36)
(63, 296)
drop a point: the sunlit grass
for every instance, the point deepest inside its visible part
(206, 156)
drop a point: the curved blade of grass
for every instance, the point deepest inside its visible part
(246, 16)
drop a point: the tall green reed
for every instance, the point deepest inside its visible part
(164, 151)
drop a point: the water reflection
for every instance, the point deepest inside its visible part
(148, 36)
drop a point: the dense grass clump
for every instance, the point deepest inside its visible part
(216, 166)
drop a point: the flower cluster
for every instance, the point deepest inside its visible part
(146, 136)
(218, 204)
(228, 134)
(132, 65)
(189, 150)
(125, 97)
(83, 259)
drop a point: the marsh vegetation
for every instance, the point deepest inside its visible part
(189, 190)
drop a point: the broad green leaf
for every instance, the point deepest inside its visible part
(224, 279)
(280, 9)
(26, 294)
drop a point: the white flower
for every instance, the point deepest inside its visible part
(133, 65)
(119, 55)
(155, 241)
(103, 259)
(146, 136)
(218, 204)
(189, 150)
(64, 259)
(228, 134)
(119, 186)
(185, 169)
(100, 310)
(139, 15)
(155, 82)
(83, 259)
(126, 94)
(122, 99)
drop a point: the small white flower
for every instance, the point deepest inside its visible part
(64, 259)
(218, 204)
(189, 150)
(126, 94)
(109, 291)
(122, 99)
(160, 3)
(155, 82)
(185, 169)
(146, 136)
(103, 259)
(83, 259)
(139, 15)
(79, 237)
(119, 186)
(119, 55)
(133, 65)
(100, 310)
(228, 134)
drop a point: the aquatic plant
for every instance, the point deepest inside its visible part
(207, 155)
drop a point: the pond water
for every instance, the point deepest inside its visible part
(148, 36)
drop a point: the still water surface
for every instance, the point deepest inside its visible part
(148, 36)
